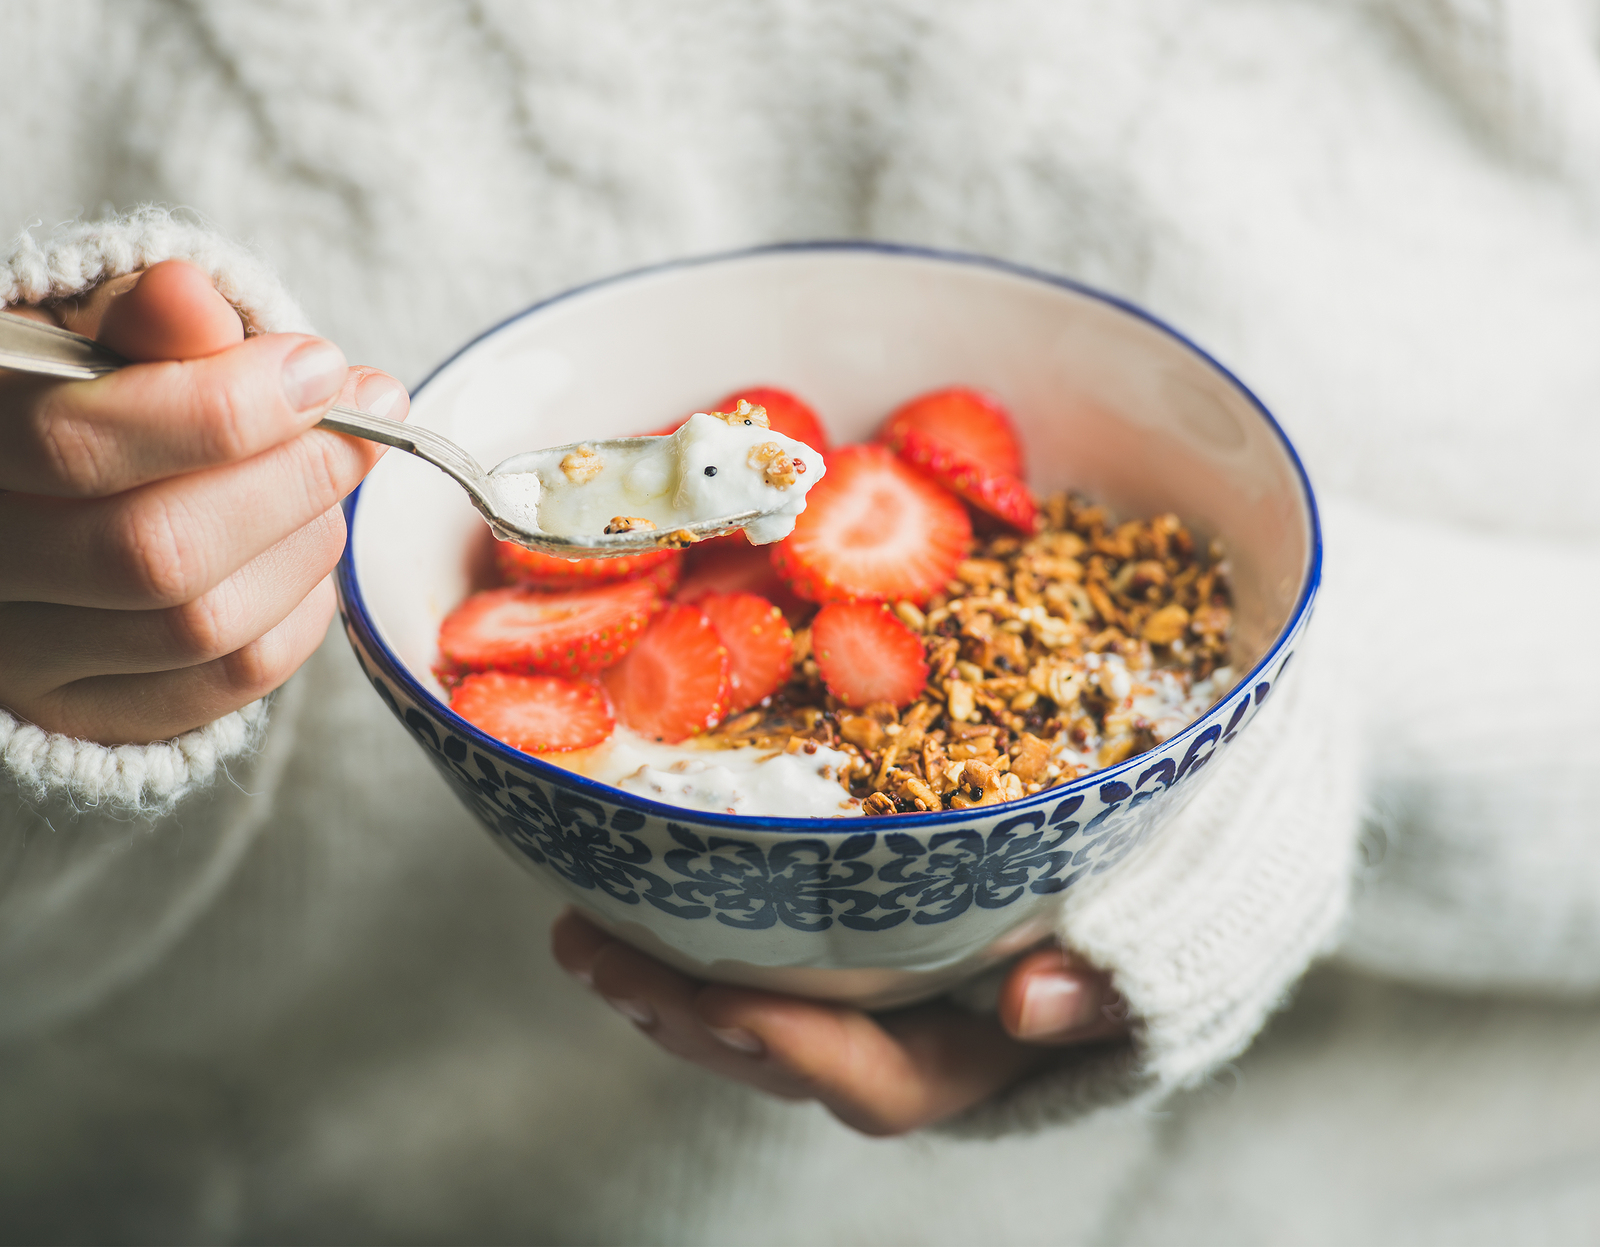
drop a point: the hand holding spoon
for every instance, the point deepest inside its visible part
(510, 496)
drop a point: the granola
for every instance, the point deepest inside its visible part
(1048, 657)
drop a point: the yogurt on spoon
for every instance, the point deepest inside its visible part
(717, 464)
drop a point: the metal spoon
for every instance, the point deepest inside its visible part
(32, 346)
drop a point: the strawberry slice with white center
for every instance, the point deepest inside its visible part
(535, 713)
(875, 530)
(973, 424)
(864, 654)
(1007, 498)
(759, 643)
(674, 682)
(567, 634)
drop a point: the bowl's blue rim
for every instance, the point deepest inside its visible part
(361, 621)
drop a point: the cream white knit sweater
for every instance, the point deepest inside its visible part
(1382, 215)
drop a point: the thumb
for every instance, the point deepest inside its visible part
(169, 311)
(1051, 997)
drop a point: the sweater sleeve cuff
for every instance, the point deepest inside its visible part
(78, 256)
(46, 767)
(1206, 933)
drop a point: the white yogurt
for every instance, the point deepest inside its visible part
(726, 781)
(714, 466)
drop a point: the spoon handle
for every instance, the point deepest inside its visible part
(414, 440)
(33, 346)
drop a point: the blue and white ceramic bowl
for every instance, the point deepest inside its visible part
(878, 911)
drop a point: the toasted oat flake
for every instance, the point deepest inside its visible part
(582, 465)
(744, 412)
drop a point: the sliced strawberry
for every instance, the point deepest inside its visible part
(787, 414)
(665, 576)
(873, 529)
(759, 643)
(736, 540)
(732, 565)
(535, 713)
(674, 682)
(521, 566)
(969, 422)
(1006, 498)
(865, 654)
(568, 634)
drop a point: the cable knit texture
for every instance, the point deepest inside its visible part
(1380, 213)
(71, 260)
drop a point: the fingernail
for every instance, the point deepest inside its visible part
(583, 976)
(380, 395)
(1054, 1003)
(312, 374)
(636, 1011)
(739, 1039)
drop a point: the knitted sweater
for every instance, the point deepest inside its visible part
(1328, 196)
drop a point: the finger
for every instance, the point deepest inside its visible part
(169, 311)
(138, 709)
(168, 543)
(881, 1077)
(660, 1002)
(575, 942)
(90, 439)
(44, 646)
(1050, 997)
(377, 394)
